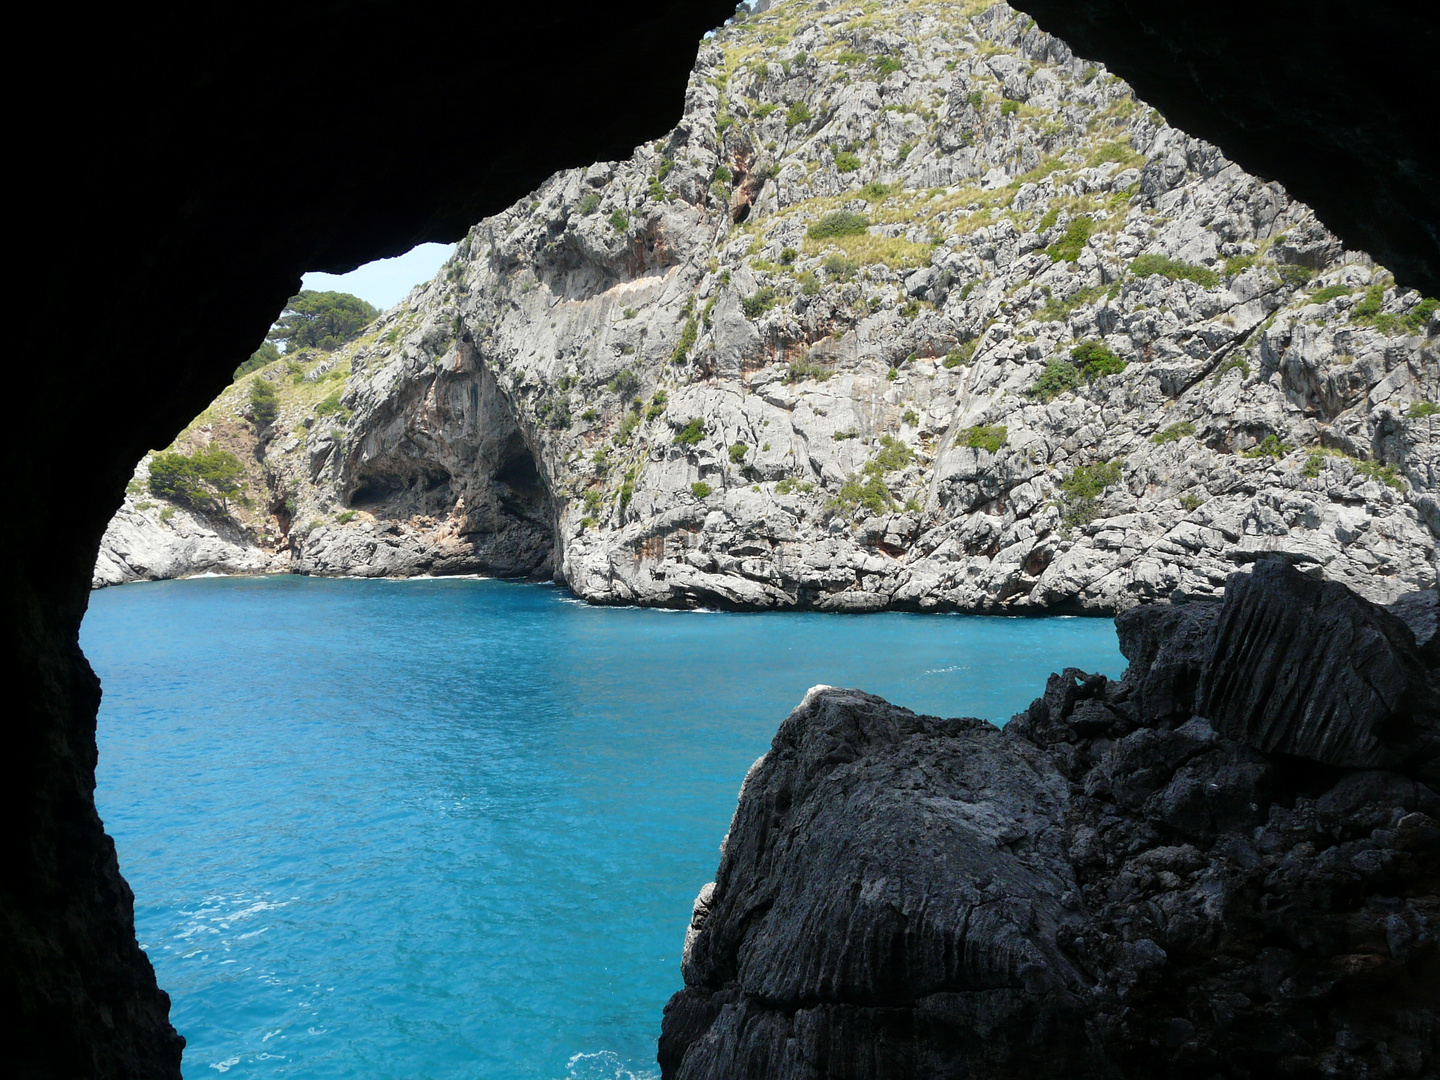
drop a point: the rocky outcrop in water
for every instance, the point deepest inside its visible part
(153, 539)
(914, 308)
(1116, 884)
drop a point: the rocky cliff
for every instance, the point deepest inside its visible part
(1222, 865)
(914, 308)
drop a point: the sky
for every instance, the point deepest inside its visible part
(384, 282)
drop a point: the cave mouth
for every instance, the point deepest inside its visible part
(520, 474)
(423, 490)
(520, 486)
(513, 524)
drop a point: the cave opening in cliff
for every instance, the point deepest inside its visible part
(427, 489)
(525, 493)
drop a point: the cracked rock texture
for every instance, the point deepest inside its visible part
(1067, 358)
(1113, 885)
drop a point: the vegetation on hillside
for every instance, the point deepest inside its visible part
(320, 320)
(205, 480)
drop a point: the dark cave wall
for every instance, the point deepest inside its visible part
(180, 166)
(183, 166)
(1330, 99)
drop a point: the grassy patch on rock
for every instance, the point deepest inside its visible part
(1080, 491)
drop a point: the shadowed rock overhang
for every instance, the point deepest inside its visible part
(1330, 99)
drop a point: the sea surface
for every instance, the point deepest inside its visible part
(453, 828)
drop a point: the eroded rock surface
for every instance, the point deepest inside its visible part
(1060, 355)
(1113, 885)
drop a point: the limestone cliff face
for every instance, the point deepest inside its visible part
(151, 539)
(913, 308)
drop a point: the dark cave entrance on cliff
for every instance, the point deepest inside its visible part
(466, 490)
(428, 489)
(524, 492)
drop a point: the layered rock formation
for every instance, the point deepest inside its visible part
(1221, 865)
(914, 308)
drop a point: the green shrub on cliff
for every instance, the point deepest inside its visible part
(1368, 310)
(1238, 264)
(691, 433)
(265, 354)
(1058, 377)
(1080, 491)
(1173, 433)
(625, 384)
(1270, 446)
(1095, 359)
(1418, 317)
(961, 354)
(893, 456)
(838, 223)
(759, 302)
(871, 493)
(320, 320)
(331, 407)
(986, 438)
(205, 480)
(800, 370)
(1385, 473)
(1175, 270)
(264, 401)
(1072, 241)
(688, 334)
(1327, 293)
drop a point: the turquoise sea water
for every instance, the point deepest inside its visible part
(453, 828)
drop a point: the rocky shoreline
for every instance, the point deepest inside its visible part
(1222, 865)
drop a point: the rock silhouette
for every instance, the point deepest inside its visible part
(1112, 885)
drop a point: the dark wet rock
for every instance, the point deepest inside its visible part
(1166, 646)
(1420, 611)
(836, 897)
(1111, 886)
(1306, 667)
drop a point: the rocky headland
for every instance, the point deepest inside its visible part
(913, 308)
(1222, 865)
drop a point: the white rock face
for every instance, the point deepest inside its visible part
(151, 540)
(1063, 358)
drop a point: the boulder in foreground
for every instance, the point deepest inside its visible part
(1114, 885)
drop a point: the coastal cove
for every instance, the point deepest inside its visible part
(454, 827)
